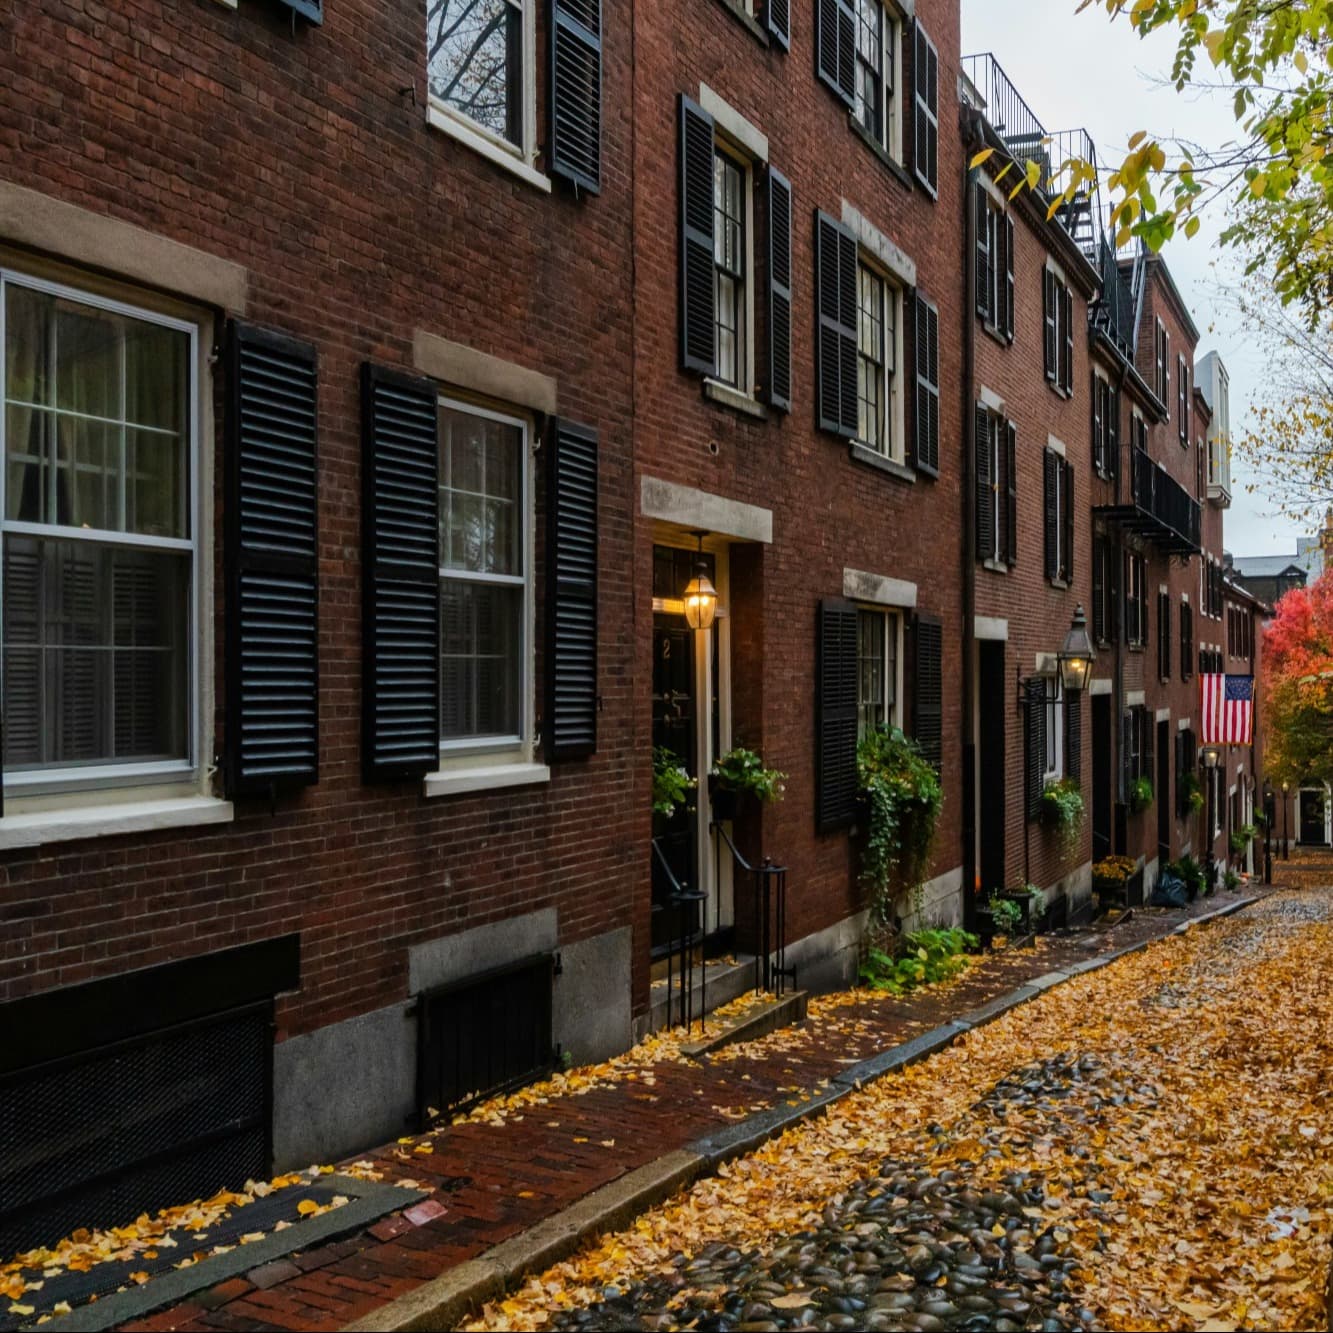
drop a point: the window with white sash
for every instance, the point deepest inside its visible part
(100, 532)
(485, 579)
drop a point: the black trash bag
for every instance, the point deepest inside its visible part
(1169, 891)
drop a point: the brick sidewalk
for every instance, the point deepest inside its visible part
(490, 1181)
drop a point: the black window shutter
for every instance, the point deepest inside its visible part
(928, 688)
(1050, 348)
(1099, 590)
(698, 291)
(271, 537)
(1186, 640)
(925, 92)
(985, 492)
(1050, 501)
(779, 290)
(1067, 514)
(1067, 361)
(1113, 431)
(1164, 635)
(777, 19)
(1113, 573)
(835, 48)
(994, 267)
(1008, 277)
(927, 387)
(836, 782)
(1034, 747)
(835, 300)
(400, 516)
(1074, 736)
(575, 80)
(571, 592)
(983, 213)
(1010, 494)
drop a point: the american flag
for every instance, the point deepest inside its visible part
(1228, 709)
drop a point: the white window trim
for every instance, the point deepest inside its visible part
(895, 411)
(39, 827)
(892, 619)
(1055, 728)
(482, 763)
(90, 799)
(741, 157)
(891, 52)
(520, 159)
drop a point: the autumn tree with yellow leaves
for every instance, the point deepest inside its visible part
(1275, 60)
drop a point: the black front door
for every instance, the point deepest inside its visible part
(1312, 818)
(1101, 776)
(991, 787)
(1163, 792)
(675, 729)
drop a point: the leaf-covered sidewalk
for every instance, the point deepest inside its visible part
(519, 1160)
(1149, 1146)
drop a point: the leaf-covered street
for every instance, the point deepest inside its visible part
(1149, 1146)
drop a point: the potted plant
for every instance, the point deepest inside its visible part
(1062, 805)
(672, 784)
(1231, 880)
(1192, 874)
(1006, 916)
(1140, 794)
(1191, 794)
(1111, 876)
(903, 798)
(1031, 904)
(1241, 839)
(741, 772)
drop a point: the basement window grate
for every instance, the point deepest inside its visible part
(484, 1036)
(96, 1138)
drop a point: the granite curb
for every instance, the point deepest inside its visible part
(444, 1301)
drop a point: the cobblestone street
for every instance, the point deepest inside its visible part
(1146, 1147)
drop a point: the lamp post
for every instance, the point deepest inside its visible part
(700, 596)
(1270, 814)
(1077, 654)
(1212, 756)
(1286, 845)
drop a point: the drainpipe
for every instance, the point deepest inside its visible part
(969, 488)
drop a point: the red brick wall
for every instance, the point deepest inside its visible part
(829, 512)
(1038, 612)
(297, 155)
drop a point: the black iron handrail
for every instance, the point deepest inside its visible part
(682, 898)
(1028, 140)
(770, 918)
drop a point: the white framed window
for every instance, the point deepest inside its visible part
(100, 575)
(878, 108)
(732, 266)
(1054, 764)
(879, 346)
(480, 76)
(878, 670)
(486, 582)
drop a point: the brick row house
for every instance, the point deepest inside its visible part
(379, 383)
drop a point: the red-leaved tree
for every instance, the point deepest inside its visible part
(1297, 685)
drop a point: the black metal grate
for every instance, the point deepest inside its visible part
(98, 1138)
(484, 1036)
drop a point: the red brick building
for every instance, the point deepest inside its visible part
(375, 382)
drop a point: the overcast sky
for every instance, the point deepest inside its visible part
(1082, 70)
